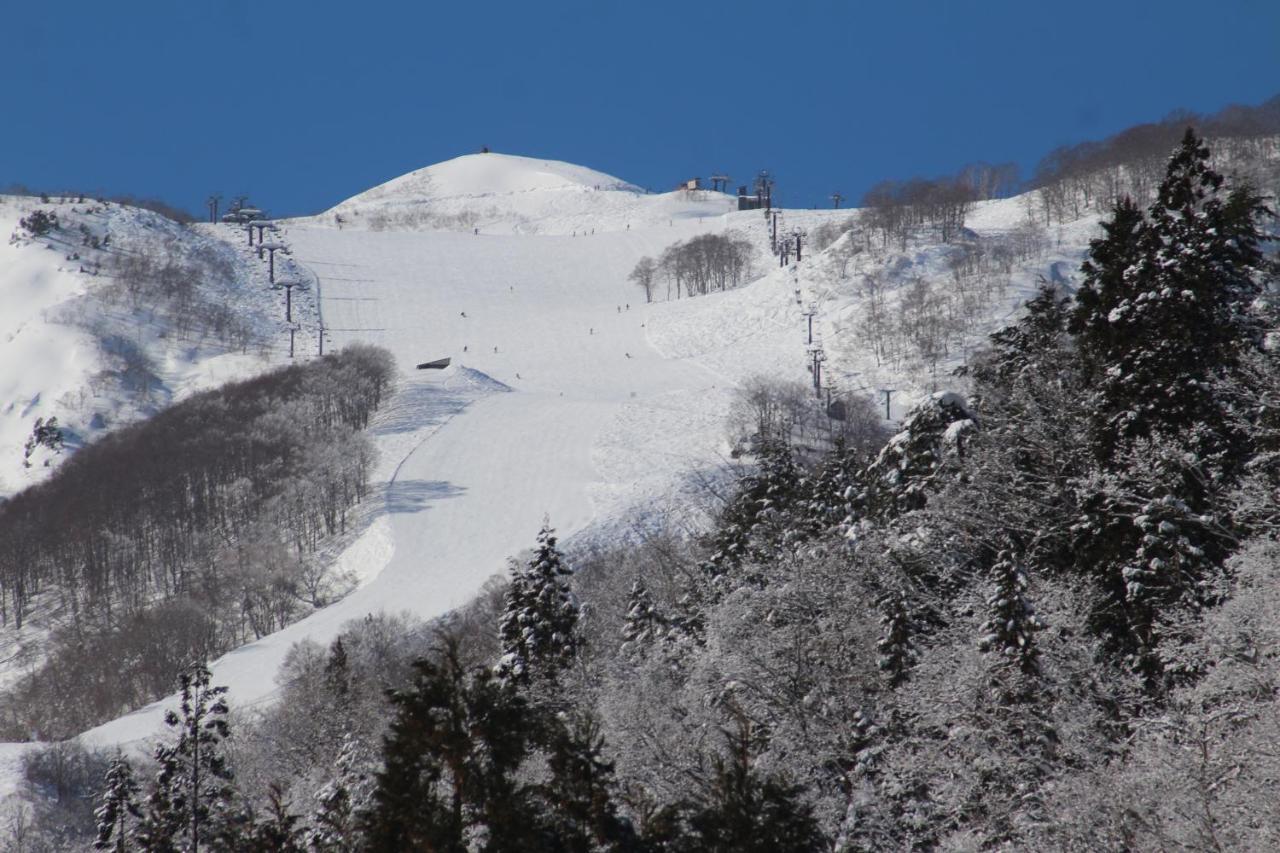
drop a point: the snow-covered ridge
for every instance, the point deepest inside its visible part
(81, 344)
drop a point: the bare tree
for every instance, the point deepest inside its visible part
(643, 275)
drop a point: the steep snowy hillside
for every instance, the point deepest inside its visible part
(502, 193)
(112, 313)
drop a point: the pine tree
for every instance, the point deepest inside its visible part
(1031, 345)
(1149, 549)
(832, 492)
(1165, 308)
(192, 790)
(119, 805)
(760, 516)
(1012, 624)
(897, 653)
(907, 469)
(336, 819)
(449, 763)
(337, 671)
(579, 793)
(279, 832)
(1174, 565)
(539, 629)
(743, 813)
(644, 624)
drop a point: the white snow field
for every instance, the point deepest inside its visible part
(562, 401)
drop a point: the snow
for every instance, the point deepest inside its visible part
(56, 334)
(41, 362)
(561, 402)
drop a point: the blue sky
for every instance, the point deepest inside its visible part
(301, 104)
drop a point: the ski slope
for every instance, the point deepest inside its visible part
(556, 407)
(568, 398)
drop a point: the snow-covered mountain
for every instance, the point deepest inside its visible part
(569, 396)
(504, 193)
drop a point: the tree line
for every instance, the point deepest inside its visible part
(1095, 175)
(190, 532)
(896, 209)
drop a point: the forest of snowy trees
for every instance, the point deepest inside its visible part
(1043, 615)
(183, 536)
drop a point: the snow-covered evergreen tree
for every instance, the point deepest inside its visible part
(1166, 307)
(1175, 564)
(747, 812)
(449, 763)
(539, 629)
(761, 516)
(119, 807)
(895, 648)
(644, 625)
(335, 822)
(581, 813)
(278, 830)
(1010, 629)
(1032, 345)
(905, 471)
(191, 795)
(832, 491)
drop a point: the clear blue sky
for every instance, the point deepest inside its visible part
(301, 104)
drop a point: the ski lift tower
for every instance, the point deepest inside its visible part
(271, 249)
(720, 182)
(817, 356)
(764, 190)
(809, 314)
(798, 234)
(264, 225)
(288, 296)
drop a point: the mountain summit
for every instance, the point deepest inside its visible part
(485, 175)
(506, 193)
